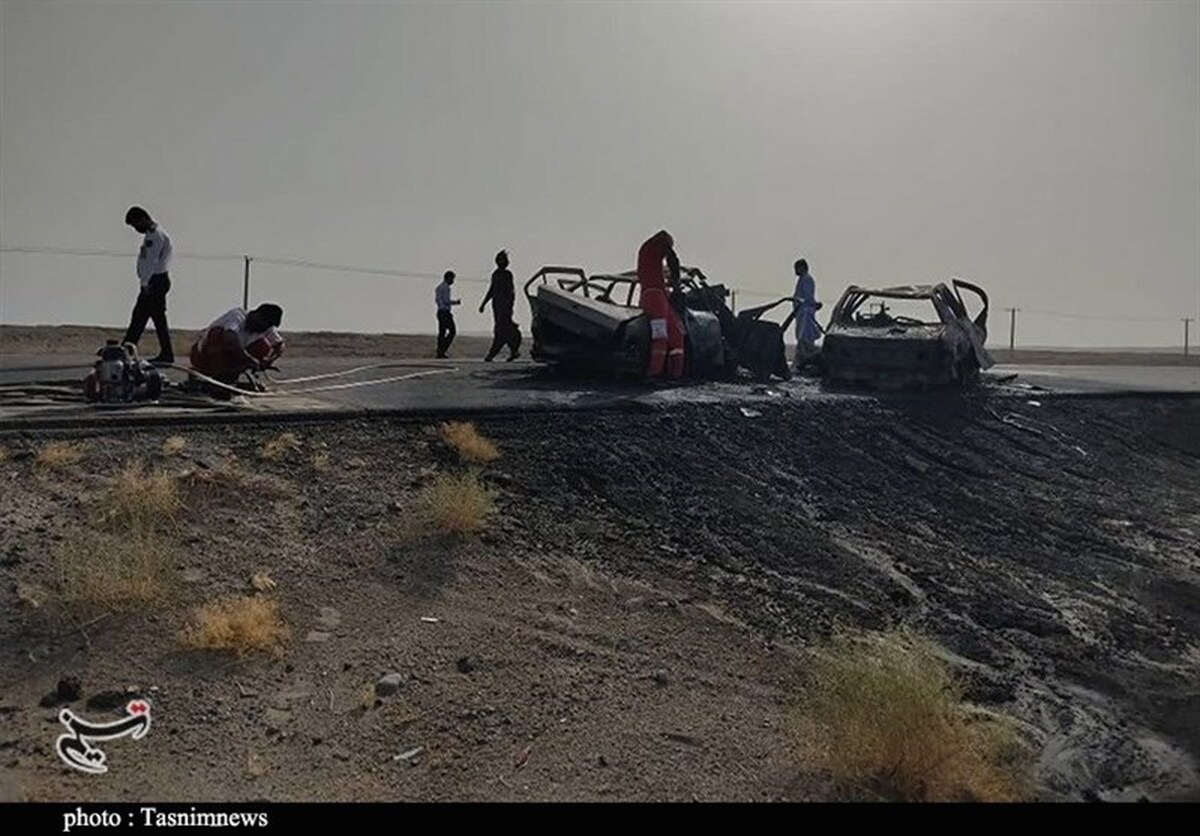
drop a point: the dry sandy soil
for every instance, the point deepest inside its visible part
(84, 339)
(74, 340)
(632, 622)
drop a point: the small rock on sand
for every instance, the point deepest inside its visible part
(389, 684)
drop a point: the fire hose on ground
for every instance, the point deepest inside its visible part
(326, 388)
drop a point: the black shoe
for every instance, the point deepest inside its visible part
(513, 356)
(163, 360)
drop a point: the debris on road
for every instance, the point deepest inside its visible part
(69, 689)
(409, 756)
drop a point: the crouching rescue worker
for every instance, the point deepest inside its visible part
(238, 341)
(666, 331)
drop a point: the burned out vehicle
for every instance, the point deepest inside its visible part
(592, 324)
(915, 335)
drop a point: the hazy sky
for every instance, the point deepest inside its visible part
(1049, 150)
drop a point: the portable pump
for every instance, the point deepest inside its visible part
(120, 376)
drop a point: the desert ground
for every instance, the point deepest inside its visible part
(76, 340)
(801, 603)
(84, 340)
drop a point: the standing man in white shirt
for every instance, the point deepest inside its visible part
(445, 313)
(805, 307)
(153, 261)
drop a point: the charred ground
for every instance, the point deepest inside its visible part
(630, 623)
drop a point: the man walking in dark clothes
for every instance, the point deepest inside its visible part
(503, 296)
(154, 258)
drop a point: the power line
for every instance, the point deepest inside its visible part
(112, 253)
(273, 260)
(305, 264)
(1095, 318)
(347, 268)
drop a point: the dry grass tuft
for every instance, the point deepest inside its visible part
(212, 483)
(466, 440)
(3, 454)
(59, 454)
(456, 504)
(140, 503)
(173, 446)
(241, 623)
(227, 483)
(31, 595)
(279, 447)
(884, 716)
(320, 461)
(100, 572)
(580, 575)
(262, 582)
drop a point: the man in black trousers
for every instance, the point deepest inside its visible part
(503, 296)
(154, 258)
(445, 313)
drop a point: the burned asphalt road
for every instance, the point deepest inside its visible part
(1107, 379)
(379, 384)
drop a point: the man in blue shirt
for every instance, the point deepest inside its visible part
(445, 313)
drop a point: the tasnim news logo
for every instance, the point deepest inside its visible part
(76, 746)
(154, 817)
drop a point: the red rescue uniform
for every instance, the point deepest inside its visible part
(666, 331)
(227, 347)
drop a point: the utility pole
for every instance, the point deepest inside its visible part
(1187, 321)
(1012, 330)
(246, 284)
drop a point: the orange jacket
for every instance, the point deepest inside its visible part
(650, 261)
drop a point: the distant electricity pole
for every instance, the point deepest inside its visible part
(1012, 329)
(1187, 321)
(246, 284)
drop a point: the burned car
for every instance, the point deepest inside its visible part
(915, 335)
(592, 324)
